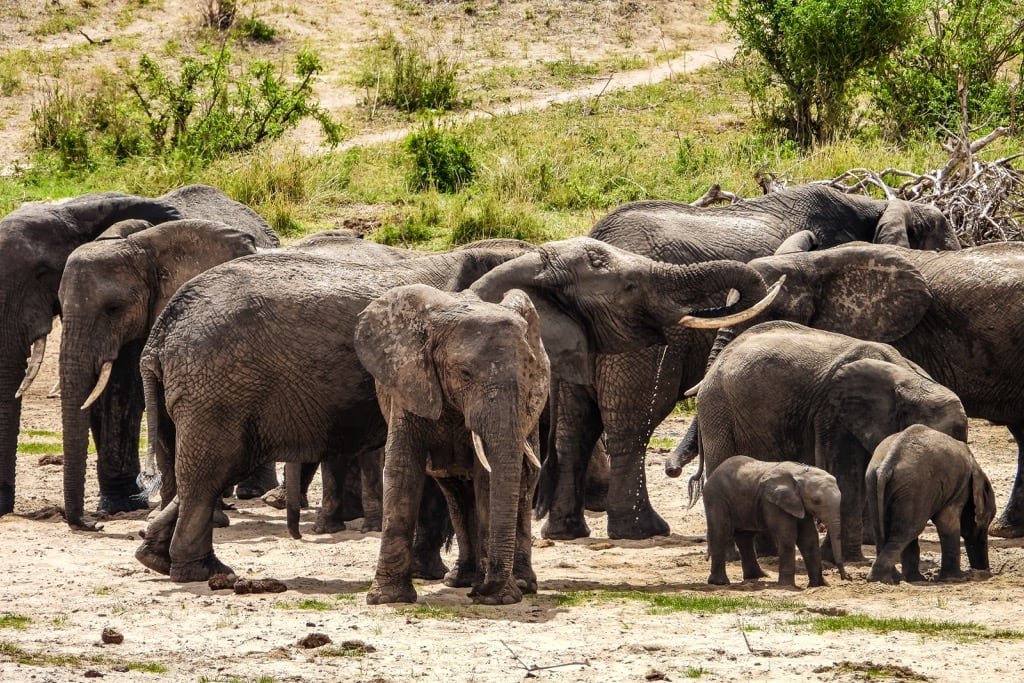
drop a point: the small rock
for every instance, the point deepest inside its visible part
(52, 459)
(121, 668)
(310, 624)
(655, 675)
(93, 673)
(111, 636)
(600, 546)
(542, 543)
(220, 582)
(357, 646)
(259, 586)
(314, 640)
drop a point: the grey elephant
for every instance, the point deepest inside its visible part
(921, 474)
(959, 315)
(218, 410)
(744, 496)
(785, 391)
(627, 395)
(462, 384)
(35, 241)
(111, 292)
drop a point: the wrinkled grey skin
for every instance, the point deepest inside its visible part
(744, 496)
(111, 293)
(628, 395)
(35, 242)
(223, 409)
(785, 391)
(918, 475)
(960, 315)
(448, 366)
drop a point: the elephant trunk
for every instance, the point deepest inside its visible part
(12, 372)
(701, 282)
(77, 377)
(835, 529)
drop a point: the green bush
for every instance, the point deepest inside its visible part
(813, 51)
(973, 40)
(404, 76)
(441, 159)
(492, 218)
(258, 30)
(59, 124)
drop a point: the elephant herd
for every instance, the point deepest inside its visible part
(488, 373)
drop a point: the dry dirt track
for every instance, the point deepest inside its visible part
(72, 585)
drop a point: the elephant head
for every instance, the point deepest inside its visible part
(919, 226)
(594, 297)
(977, 515)
(35, 241)
(110, 295)
(798, 490)
(435, 353)
(874, 398)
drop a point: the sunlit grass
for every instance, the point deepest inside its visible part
(664, 603)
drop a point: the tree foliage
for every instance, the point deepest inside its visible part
(813, 51)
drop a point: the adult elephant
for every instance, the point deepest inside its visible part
(783, 391)
(458, 378)
(218, 410)
(627, 395)
(959, 315)
(111, 292)
(35, 242)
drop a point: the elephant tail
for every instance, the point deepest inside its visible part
(881, 481)
(695, 487)
(293, 494)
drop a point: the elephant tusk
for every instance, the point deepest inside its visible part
(732, 297)
(478, 448)
(692, 391)
(101, 384)
(34, 363)
(736, 318)
(531, 456)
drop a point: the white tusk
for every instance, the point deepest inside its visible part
(736, 318)
(34, 363)
(531, 456)
(101, 384)
(692, 391)
(478, 448)
(733, 297)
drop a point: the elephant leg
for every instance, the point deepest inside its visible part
(404, 474)
(261, 480)
(522, 567)
(947, 523)
(162, 444)
(562, 484)
(745, 545)
(116, 421)
(155, 551)
(807, 541)
(370, 470)
(333, 471)
(433, 531)
(595, 491)
(910, 560)
(1010, 523)
(629, 420)
(785, 539)
(461, 508)
(720, 542)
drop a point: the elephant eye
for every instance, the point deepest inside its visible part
(113, 309)
(465, 375)
(630, 286)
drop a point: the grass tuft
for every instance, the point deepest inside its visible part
(956, 630)
(664, 603)
(15, 621)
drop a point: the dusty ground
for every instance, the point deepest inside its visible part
(72, 585)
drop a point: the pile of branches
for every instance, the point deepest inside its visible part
(983, 200)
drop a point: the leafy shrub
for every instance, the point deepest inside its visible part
(404, 76)
(917, 88)
(256, 29)
(58, 124)
(813, 50)
(441, 159)
(493, 218)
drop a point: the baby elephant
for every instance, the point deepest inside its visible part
(744, 495)
(920, 474)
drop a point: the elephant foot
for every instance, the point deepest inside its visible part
(220, 520)
(1004, 528)
(200, 570)
(595, 496)
(817, 582)
(278, 499)
(637, 526)
(371, 524)
(956, 576)
(246, 491)
(113, 504)
(718, 580)
(155, 556)
(527, 582)
(789, 585)
(428, 566)
(492, 593)
(263, 479)
(889, 577)
(328, 525)
(462, 576)
(6, 499)
(382, 594)
(914, 577)
(754, 575)
(565, 528)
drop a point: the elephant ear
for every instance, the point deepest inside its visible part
(869, 292)
(894, 223)
(782, 492)
(565, 338)
(863, 397)
(518, 301)
(393, 342)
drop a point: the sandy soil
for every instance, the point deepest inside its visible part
(72, 585)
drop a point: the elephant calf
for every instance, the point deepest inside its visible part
(921, 474)
(744, 496)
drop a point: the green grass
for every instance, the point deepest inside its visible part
(40, 433)
(12, 653)
(957, 630)
(661, 442)
(15, 621)
(665, 603)
(428, 611)
(310, 604)
(695, 672)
